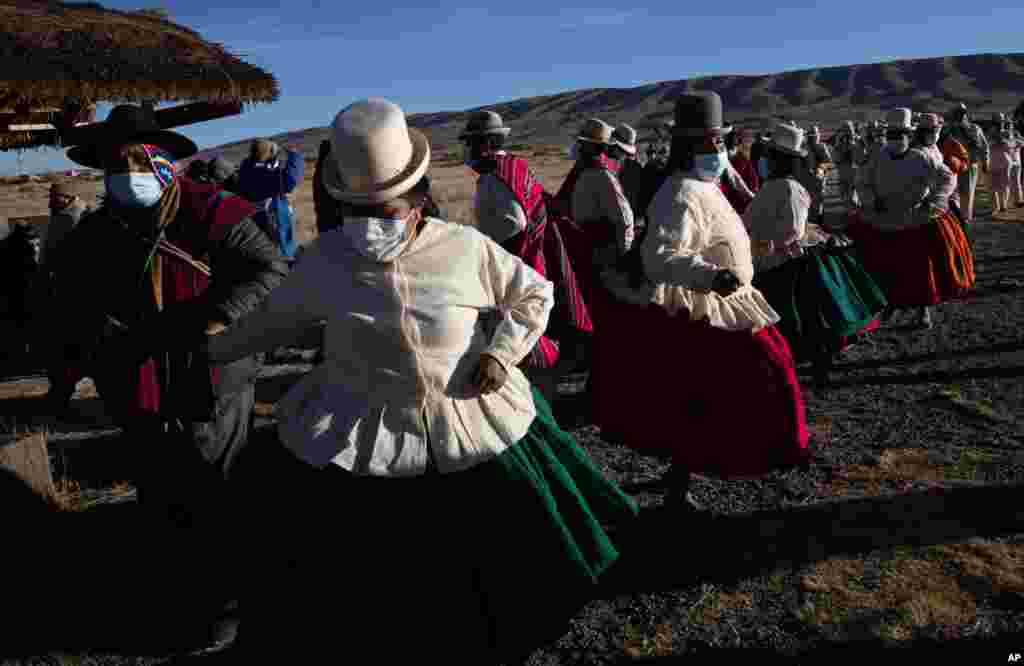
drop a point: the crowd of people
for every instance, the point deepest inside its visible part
(420, 460)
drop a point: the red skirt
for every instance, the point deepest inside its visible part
(719, 403)
(917, 266)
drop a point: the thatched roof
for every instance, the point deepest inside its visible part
(59, 54)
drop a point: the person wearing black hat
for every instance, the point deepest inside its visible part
(735, 408)
(163, 261)
(198, 171)
(223, 173)
(19, 263)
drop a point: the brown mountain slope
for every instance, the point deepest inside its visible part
(987, 83)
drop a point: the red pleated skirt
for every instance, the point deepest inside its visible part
(917, 266)
(719, 403)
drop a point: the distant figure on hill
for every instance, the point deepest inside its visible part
(19, 256)
(848, 153)
(267, 181)
(1005, 170)
(973, 138)
(66, 210)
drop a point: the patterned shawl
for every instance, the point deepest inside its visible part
(542, 248)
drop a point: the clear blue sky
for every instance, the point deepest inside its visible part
(327, 54)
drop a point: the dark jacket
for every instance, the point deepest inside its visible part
(631, 177)
(261, 182)
(148, 367)
(328, 214)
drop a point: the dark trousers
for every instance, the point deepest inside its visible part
(190, 488)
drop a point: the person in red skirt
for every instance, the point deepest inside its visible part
(729, 404)
(909, 240)
(510, 210)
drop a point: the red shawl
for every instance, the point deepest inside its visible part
(205, 215)
(542, 248)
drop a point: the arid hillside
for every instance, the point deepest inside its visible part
(987, 83)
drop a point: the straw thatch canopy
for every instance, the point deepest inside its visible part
(58, 59)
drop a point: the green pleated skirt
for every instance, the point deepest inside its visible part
(823, 298)
(469, 567)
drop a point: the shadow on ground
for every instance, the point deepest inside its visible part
(144, 583)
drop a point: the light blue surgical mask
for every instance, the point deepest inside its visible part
(134, 190)
(762, 168)
(375, 238)
(711, 167)
(574, 151)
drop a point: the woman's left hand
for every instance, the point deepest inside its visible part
(490, 376)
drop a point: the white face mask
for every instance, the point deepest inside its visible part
(930, 138)
(377, 239)
(134, 190)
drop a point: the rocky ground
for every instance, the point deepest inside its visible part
(906, 530)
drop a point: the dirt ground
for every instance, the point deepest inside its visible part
(906, 530)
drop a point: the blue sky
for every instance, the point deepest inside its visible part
(327, 54)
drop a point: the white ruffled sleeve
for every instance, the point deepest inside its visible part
(524, 299)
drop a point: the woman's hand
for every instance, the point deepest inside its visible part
(725, 283)
(490, 375)
(215, 327)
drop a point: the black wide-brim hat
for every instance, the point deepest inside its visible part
(697, 114)
(128, 123)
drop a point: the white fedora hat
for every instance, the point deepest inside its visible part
(899, 119)
(375, 156)
(789, 139)
(596, 130)
(624, 137)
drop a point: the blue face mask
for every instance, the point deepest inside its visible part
(711, 167)
(762, 168)
(134, 190)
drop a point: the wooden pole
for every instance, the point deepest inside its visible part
(27, 457)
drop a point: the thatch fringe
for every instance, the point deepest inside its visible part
(53, 51)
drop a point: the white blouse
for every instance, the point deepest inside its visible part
(401, 345)
(913, 188)
(777, 222)
(695, 232)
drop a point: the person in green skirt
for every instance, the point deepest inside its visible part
(813, 279)
(435, 509)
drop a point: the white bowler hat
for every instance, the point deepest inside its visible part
(899, 119)
(375, 156)
(788, 139)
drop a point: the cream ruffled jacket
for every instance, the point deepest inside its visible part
(695, 232)
(914, 188)
(401, 345)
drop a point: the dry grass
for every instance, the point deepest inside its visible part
(901, 467)
(638, 645)
(917, 588)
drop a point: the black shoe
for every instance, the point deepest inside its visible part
(687, 502)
